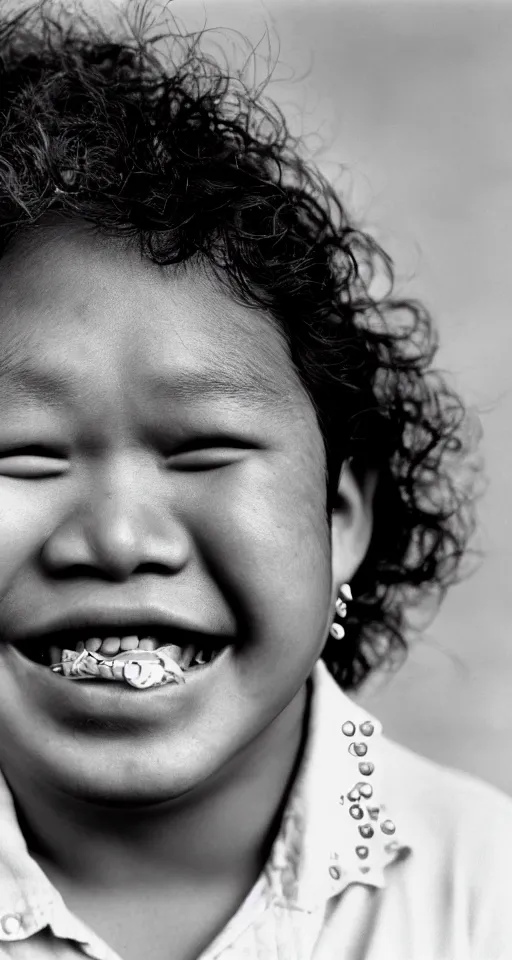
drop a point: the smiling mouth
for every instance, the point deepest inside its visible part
(142, 656)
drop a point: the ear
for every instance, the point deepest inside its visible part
(352, 522)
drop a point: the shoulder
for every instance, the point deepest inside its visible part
(460, 833)
(459, 830)
(429, 795)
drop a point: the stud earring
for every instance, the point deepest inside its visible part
(344, 595)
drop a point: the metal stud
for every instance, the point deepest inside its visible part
(367, 728)
(337, 631)
(354, 795)
(345, 591)
(365, 790)
(373, 812)
(358, 749)
(388, 827)
(348, 728)
(362, 852)
(341, 607)
(366, 830)
(356, 812)
(366, 769)
(335, 872)
(11, 924)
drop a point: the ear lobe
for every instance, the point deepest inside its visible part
(352, 522)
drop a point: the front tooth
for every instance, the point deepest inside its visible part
(129, 643)
(110, 646)
(93, 644)
(148, 643)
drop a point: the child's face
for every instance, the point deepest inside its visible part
(109, 367)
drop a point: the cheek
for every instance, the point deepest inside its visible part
(273, 551)
(26, 515)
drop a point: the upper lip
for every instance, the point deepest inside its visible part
(120, 622)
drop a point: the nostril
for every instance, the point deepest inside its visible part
(151, 567)
(78, 571)
(84, 571)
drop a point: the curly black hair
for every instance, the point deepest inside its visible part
(164, 146)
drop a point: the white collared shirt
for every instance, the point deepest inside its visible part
(381, 855)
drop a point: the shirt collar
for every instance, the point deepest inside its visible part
(336, 828)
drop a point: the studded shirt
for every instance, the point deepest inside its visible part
(381, 855)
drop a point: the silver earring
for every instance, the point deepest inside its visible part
(344, 595)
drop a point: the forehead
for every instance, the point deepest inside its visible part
(81, 305)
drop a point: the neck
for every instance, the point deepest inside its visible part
(223, 829)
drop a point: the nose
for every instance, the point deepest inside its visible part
(115, 535)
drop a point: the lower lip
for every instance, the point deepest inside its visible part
(93, 694)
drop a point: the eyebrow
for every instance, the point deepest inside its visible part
(55, 387)
(52, 387)
(256, 387)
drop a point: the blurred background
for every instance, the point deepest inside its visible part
(408, 106)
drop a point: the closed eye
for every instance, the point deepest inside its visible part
(208, 454)
(33, 461)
